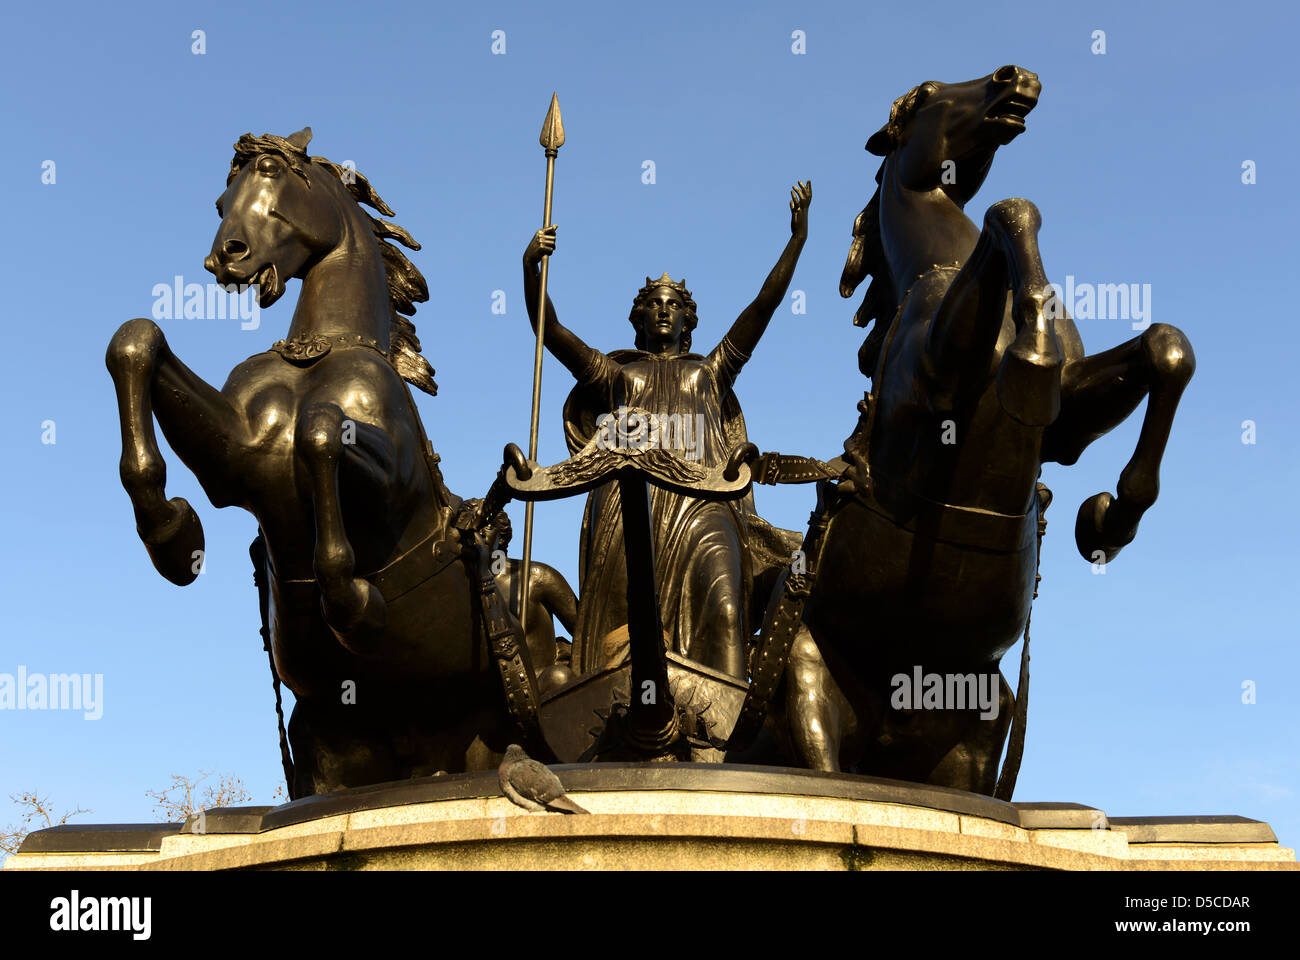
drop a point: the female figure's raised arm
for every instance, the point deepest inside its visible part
(752, 322)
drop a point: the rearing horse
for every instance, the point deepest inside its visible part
(374, 626)
(978, 378)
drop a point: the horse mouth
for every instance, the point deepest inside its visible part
(1012, 111)
(269, 286)
(266, 280)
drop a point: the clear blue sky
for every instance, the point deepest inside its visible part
(1134, 158)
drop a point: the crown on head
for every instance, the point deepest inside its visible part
(664, 281)
(689, 321)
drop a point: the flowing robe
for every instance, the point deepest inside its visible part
(703, 563)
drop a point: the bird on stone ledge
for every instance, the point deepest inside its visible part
(530, 785)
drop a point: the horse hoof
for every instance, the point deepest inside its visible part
(1030, 390)
(1095, 543)
(176, 548)
(361, 632)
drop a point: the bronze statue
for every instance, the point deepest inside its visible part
(389, 642)
(703, 555)
(387, 607)
(924, 554)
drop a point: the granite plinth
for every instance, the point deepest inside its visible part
(664, 816)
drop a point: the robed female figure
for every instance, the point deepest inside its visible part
(706, 552)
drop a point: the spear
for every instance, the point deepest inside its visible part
(552, 139)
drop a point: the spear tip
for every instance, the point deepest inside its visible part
(552, 137)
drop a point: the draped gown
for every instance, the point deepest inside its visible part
(703, 567)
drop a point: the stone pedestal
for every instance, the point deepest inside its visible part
(664, 816)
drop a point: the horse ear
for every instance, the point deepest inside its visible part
(881, 143)
(301, 138)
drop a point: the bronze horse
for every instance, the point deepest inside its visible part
(928, 563)
(374, 624)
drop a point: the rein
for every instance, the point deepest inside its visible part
(257, 553)
(1016, 739)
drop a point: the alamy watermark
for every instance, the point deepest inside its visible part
(75, 913)
(207, 301)
(53, 691)
(946, 691)
(631, 429)
(1101, 301)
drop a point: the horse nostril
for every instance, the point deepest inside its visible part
(1006, 74)
(234, 250)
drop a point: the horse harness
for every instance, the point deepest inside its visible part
(304, 349)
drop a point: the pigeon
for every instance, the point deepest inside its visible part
(530, 785)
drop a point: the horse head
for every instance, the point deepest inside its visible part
(273, 223)
(944, 135)
(283, 213)
(938, 146)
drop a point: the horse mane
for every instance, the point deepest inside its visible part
(406, 285)
(867, 251)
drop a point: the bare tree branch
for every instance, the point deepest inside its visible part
(38, 814)
(182, 799)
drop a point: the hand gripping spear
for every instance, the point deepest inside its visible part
(552, 139)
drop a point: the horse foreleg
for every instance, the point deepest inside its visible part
(966, 327)
(1100, 391)
(353, 608)
(170, 529)
(1029, 376)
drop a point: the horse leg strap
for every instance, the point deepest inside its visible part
(505, 646)
(778, 635)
